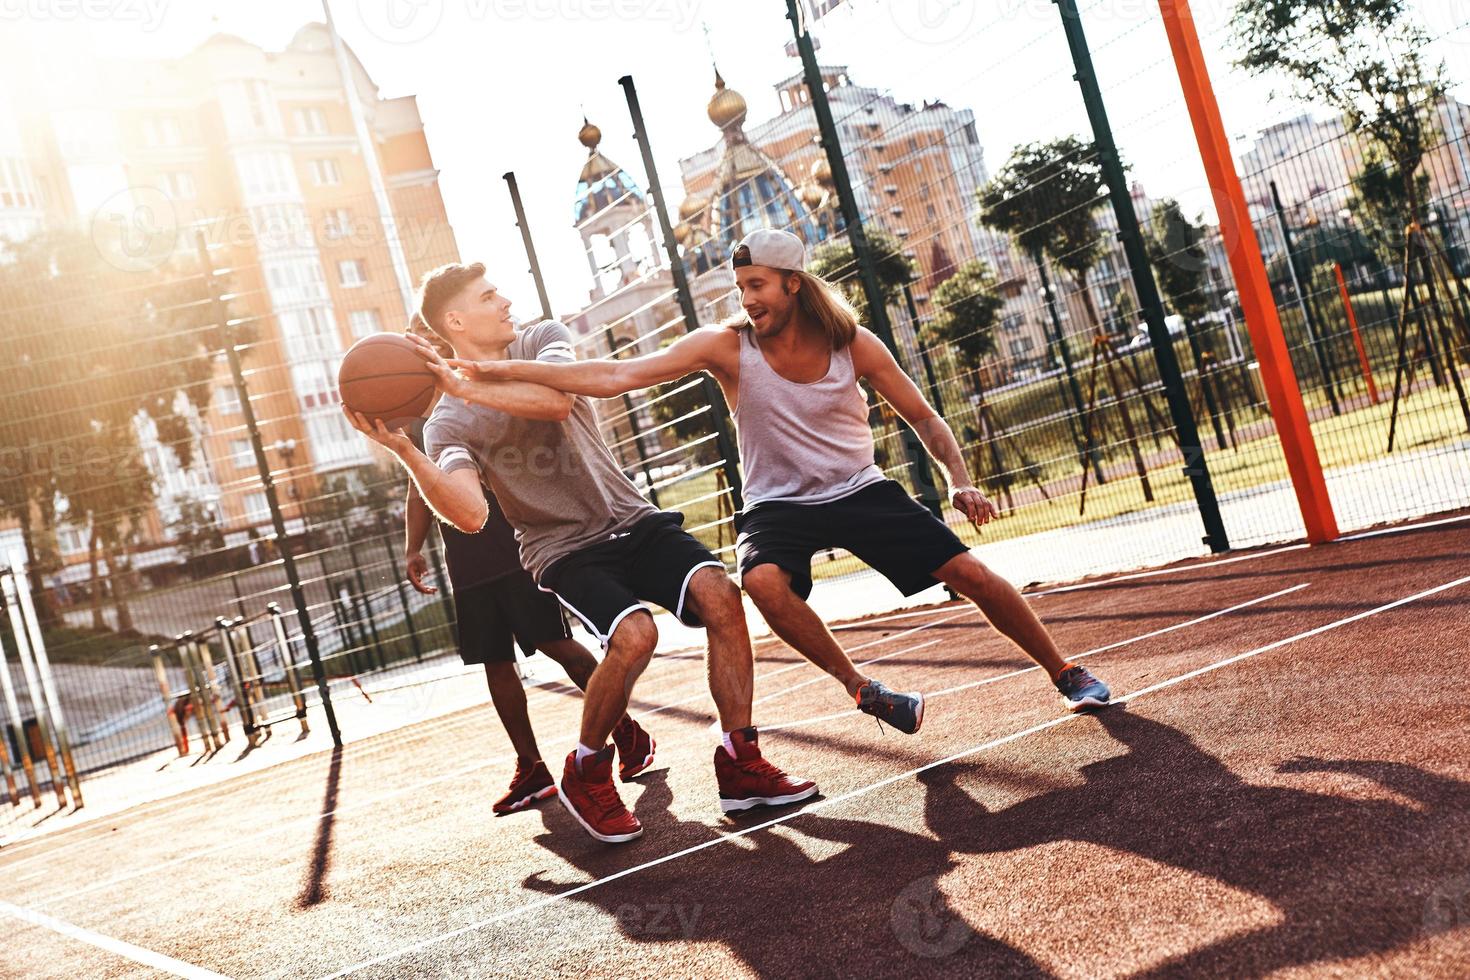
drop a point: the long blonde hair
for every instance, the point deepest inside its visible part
(820, 302)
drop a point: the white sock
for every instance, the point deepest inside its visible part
(583, 752)
(729, 745)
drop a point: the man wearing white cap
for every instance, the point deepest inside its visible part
(790, 369)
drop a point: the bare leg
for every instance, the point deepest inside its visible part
(509, 697)
(793, 620)
(573, 657)
(612, 682)
(731, 663)
(1007, 611)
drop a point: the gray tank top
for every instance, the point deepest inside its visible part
(802, 443)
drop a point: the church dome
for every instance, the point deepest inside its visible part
(602, 183)
(726, 107)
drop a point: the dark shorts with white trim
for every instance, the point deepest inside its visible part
(880, 524)
(494, 616)
(654, 561)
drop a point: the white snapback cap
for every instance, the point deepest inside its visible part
(771, 248)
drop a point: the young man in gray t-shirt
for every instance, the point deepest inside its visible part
(585, 533)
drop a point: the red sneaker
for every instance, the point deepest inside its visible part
(590, 796)
(635, 748)
(749, 780)
(531, 783)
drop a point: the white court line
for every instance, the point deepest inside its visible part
(803, 662)
(315, 818)
(1401, 529)
(865, 790)
(137, 954)
(1026, 670)
(1153, 573)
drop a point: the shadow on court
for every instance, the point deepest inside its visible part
(819, 895)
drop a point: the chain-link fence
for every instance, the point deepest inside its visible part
(1118, 411)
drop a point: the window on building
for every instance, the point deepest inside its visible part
(325, 173)
(257, 97)
(310, 122)
(227, 400)
(257, 510)
(352, 272)
(179, 185)
(241, 454)
(162, 131)
(337, 223)
(365, 322)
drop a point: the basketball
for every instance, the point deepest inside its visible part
(383, 377)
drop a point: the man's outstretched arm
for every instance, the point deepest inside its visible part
(698, 351)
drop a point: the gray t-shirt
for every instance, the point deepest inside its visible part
(556, 481)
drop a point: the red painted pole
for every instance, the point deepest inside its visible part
(1347, 304)
(1282, 390)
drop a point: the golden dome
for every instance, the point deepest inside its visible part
(811, 195)
(821, 170)
(682, 231)
(726, 107)
(692, 205)
(589, 135)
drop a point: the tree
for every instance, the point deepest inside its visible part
(967, 307)
(196, 527)
(834, 262)
(1363, 58)
(88, 358)
(1043, 198)
(1380, 205)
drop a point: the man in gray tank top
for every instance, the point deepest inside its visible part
(789, 369)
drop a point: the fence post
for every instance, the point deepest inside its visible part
(1195, 465)
(918, 459)
(1299, 283)
(17, 728)
(278, 523)
(724, 435)
(1249, 268)
(40, 703)
(165, 691)
(287, 660)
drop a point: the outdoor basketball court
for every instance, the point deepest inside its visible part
(1283, 785)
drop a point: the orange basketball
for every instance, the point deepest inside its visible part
(383, 377)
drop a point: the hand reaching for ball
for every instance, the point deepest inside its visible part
(395, 441)
(449, 381)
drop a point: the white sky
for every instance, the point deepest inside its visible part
(501, 84)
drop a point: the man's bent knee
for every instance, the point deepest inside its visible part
(634, 638)
(767, 585)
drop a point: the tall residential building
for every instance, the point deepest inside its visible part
(256, 150)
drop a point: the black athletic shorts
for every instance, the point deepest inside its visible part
(495, 615)
(654, 560)
(880, 524)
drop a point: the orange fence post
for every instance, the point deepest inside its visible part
(1347, 303)
(1282, 389)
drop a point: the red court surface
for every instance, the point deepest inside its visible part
(1283, 787)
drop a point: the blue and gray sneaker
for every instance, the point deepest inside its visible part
(1080, 690)
(903, 711)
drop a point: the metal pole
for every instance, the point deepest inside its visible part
(43, 668)
(724, 436)
(413, 634)
(288, 561)
(33, 685)
(1195, 465)
(237, 680)
(155, 653)
(935, 396)
(369, 152)
(17, 729)
(1309, 317)
(1084, 441)
(535, 266)
(287, 660)
(918, 458)
(1244, 250)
